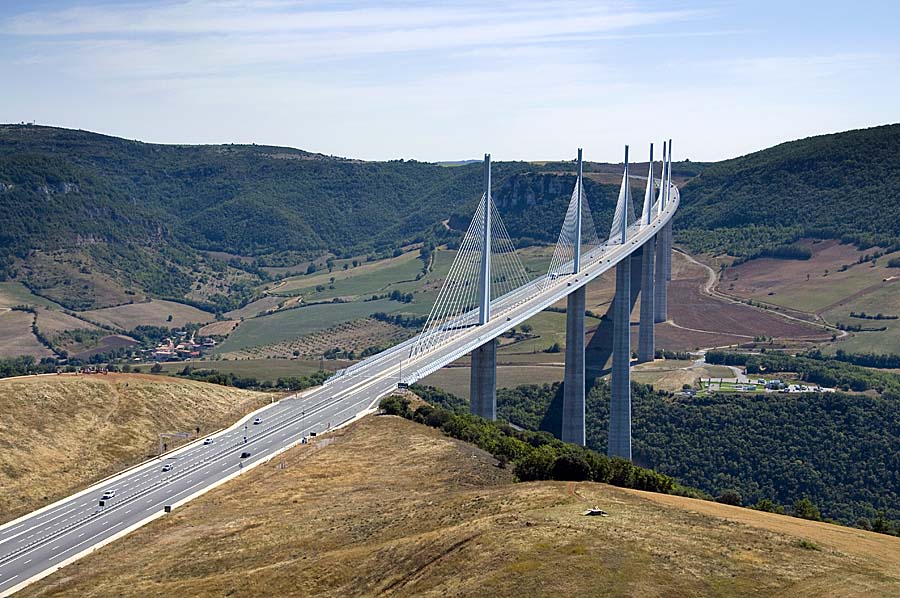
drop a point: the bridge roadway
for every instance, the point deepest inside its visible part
(41, 542)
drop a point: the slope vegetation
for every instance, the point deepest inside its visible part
(844, 186)
(60, 433)
(387, 507)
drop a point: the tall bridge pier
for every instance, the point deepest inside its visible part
(483, 372)
(573, 426)
(487, 272)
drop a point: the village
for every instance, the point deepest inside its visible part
(180, 348)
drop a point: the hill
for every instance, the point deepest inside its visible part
(61, 433)
(96, 221)
(840, 186)
(389, 507)
(778, 447)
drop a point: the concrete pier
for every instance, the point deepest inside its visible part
(483, 381)
(619, 444)
(661, 288)
(647, 336)
(573, 385)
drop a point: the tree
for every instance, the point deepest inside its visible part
(805, 509)
(527, 328)
(157, 368)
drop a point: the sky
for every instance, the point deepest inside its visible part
(523, 80)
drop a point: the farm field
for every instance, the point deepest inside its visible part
(252, 309)
(388, 507)
(290, 324)
(262, 369)
(16, 337)
(155, 312)
(785, 283)
(15, 293)
(869, 287)
(222, 328)
(52, 322)
(367, 278)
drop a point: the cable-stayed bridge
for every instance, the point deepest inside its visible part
(486, 293)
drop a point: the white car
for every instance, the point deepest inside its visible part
(257, 421)
(108, 494)
(208, 441)
(168, 466)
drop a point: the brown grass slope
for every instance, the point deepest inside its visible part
(58, 434)
(387, 507)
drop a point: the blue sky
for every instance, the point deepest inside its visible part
(523, 80)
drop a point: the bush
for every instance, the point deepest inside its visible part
(730, 497)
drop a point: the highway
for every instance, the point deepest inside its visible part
(39, 543)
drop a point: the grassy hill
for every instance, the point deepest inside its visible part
(388, 507)
(841, 186)
(62, 433)
(835, 449)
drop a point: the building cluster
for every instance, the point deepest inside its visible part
(181, 348)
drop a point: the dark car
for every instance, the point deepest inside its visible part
(245, 454)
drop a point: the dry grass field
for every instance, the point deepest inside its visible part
(387, 507)
(59, 433)
(16, 337)
(223, 328)
(828, 287)
(155, 312)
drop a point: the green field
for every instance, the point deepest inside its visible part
(15, 293)
(885, 300)
(294, 323)
(261, 369)
(366, 279)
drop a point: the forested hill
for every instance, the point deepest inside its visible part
(138, 215)
(844, 186)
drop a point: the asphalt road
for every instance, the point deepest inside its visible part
(45, 540)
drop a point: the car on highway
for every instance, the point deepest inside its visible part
(208, 441)
(245, 454)
(108, 494)
(257, 421)
(168, 466)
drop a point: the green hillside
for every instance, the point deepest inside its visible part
(844, 186)
(836, 449)
(92, 220)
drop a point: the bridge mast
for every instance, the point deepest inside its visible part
(484, 288)
(619, 439)
(573, 427)
(647, 334)
(483, 371)
(576, 261)
(661, 299)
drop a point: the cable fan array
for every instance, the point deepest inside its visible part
(563, 261)
(456, 307)
(624, 209)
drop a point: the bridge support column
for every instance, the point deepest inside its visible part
(483, 381)
(647, 337)
(661, 286)
(573, 384)
(620, 399)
